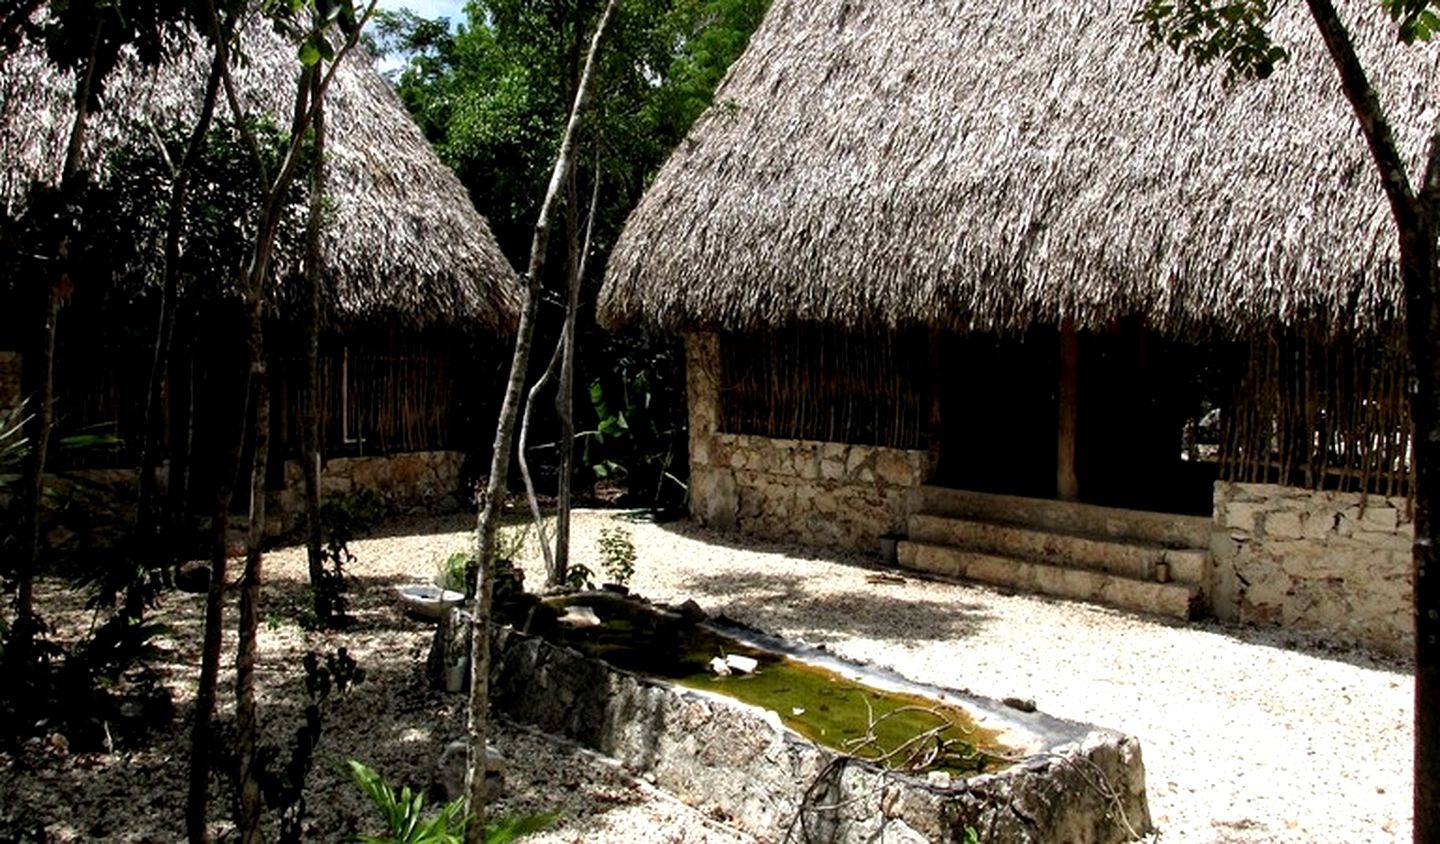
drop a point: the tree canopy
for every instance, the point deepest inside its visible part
(493, 94)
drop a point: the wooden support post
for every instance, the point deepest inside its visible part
(1066, 486)
(933, 423)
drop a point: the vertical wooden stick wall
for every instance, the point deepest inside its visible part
(1321, 412)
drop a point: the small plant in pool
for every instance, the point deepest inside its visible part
(617, 554)
(579, 576)
(451, 571)
(457, 571)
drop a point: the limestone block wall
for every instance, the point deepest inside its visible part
(413, 482)
(817, 493)
(1323, 561)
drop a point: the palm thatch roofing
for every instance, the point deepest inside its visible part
(404, 240)
(985, 164)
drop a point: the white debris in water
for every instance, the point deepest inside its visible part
(578, 616)
(741, 664)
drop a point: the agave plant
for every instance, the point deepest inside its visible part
(404, 816)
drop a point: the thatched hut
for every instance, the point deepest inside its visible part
(984, 275)
(418, 297)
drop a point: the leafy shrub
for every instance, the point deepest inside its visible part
(458, 571)
(341, 520)
(617, 554)
(579, 576)
(451, 574)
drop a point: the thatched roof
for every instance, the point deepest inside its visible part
(985, 164)
(405, 242)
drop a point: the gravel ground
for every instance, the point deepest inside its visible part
(1248, 735)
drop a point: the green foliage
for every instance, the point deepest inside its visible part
(493, 97)
(639, 433)
(404, 813)
(93, 34)
(452, 571)
(579, 576)
(1236, 32)
(1205, 31)
(1416, 18)
(404, 816)
(126, 214)
(617, 554)
(509, 828)
(457, 571)
(341, 519)
(98, 693)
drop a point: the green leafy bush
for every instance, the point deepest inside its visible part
(617, 554)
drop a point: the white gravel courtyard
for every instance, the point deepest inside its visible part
(1248, 735)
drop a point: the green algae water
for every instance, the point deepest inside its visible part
(901, 731)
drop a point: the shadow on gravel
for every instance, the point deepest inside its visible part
(772, 601)
(739, 542)
(1314, 645)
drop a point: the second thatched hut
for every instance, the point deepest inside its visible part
(419, 302)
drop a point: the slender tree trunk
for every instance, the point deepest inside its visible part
(253, 282)
(520, 448)
(33, 482)
(1417, 222)
(197, 799)
(146, 520)
(310, 409)
(479, 714)
(565, 389)
(247, 727)
(565, 398)
(1421, 274)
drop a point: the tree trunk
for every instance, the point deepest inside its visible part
(33, 476)
(146, 520)
(479, 714)
(565, 389)
(1421, 274)
(310, 408)
(197, 799)
(247, 727)
(253, 283)
(520, 448)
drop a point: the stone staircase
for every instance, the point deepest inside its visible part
(1150, 562)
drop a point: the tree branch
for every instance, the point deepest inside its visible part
(1430, 187)
(1368, 111)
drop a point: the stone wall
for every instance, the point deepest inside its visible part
(415, 482)
(1323, 561)
(817, 493)
(738, 763)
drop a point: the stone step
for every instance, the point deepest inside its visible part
(1168, 530)
(1122, 557)
(1176, 600)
